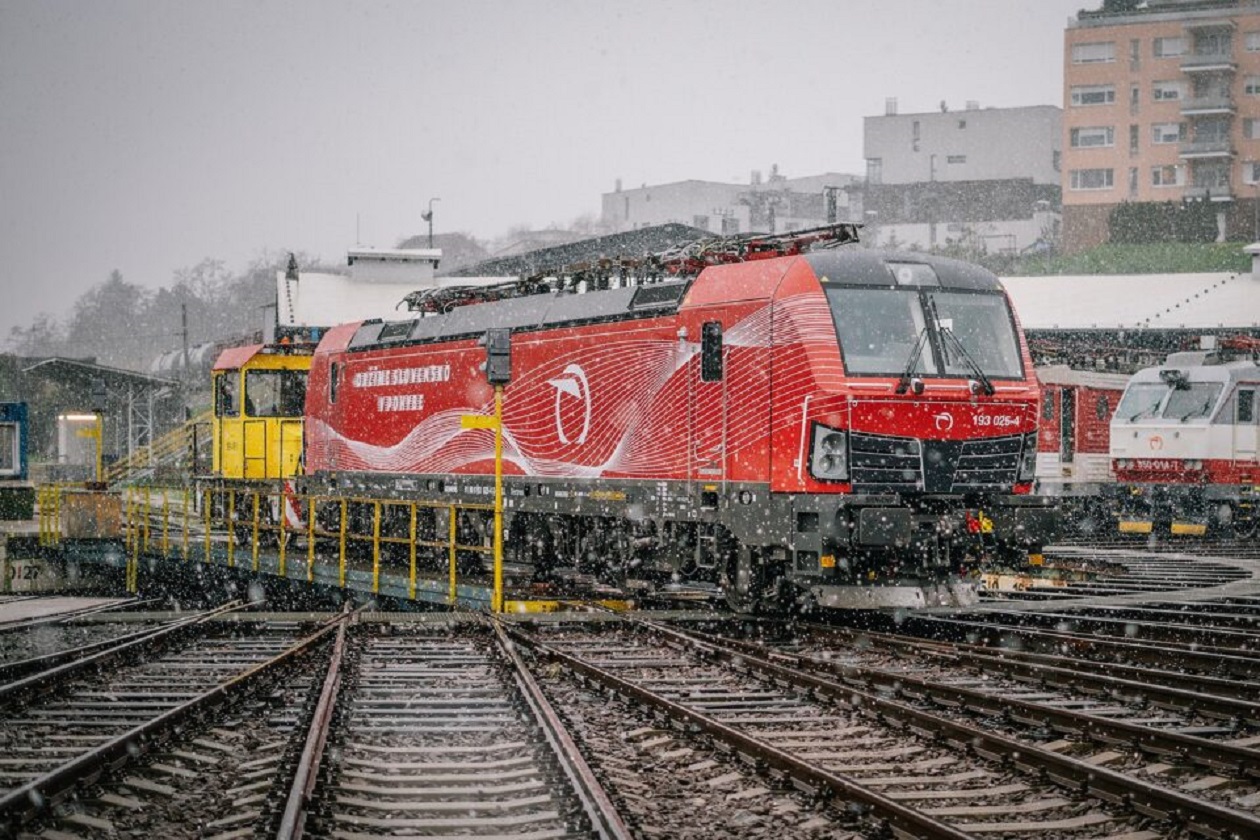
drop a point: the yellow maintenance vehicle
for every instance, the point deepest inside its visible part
(259, 397)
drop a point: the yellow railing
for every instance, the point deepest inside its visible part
(247, 522)
(48, 505)
(164, 450)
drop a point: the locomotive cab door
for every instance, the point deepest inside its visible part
(707, 387)
(1245, 429)
(255, 449)
(1067, 426)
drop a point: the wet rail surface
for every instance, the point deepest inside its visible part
(922, 773)
(1193, 739)
(69, 724)
(1122, 712)
(439, 734)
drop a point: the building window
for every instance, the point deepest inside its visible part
(955, 158)
(1213, 43)
(1168, 132)
(1135, 54)
(962, 123)
(1133, 139)
(1133, 182)
(1251, 85)
(1251, 42)
(1093, 94)
(1251, 129)
(1168, 91)
(1211, 176)
(1084, 138)
(1168, 176)
(1215, 131)
(1251, 172)
(1102, 51)
(874, 170)
(1091, 179)
(1169, 47)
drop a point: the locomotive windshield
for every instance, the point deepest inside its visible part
(1158, 399)
(880, 329)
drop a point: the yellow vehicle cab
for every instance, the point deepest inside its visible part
(259, 397)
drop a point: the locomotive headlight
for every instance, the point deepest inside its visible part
(1028, 459)
(830, 456)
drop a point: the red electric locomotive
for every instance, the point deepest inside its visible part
(835, 425)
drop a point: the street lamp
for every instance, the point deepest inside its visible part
(428, 217)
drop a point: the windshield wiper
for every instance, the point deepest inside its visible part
(1151, 409)
(976, 370)
(1202, 409)
(907, 374)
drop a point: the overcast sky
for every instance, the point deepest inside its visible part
(149, 135)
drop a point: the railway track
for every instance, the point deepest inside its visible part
(440, 734)
(1195, 740)
(66, 726)
(917, 772)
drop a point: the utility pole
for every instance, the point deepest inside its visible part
(183, 317)
(428, 217)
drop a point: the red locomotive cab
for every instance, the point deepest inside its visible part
(901, 404)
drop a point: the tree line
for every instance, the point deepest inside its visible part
(125, 325)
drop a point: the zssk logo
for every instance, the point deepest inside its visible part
(944, 421)
(570, 385)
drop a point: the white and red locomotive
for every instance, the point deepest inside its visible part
(834, 424)
(1183, 444)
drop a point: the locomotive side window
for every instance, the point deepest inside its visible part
(711, 352)
(1101, 408)
(1047, 406)
(275, 393)
(226, 402)
(1246, 412)
(334, 370)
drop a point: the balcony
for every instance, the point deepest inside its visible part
(1208, 62)
(1205, 149)
(1205, 105)
(1209, 193)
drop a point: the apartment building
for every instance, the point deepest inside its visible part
(1162, 103)
(982, 179)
